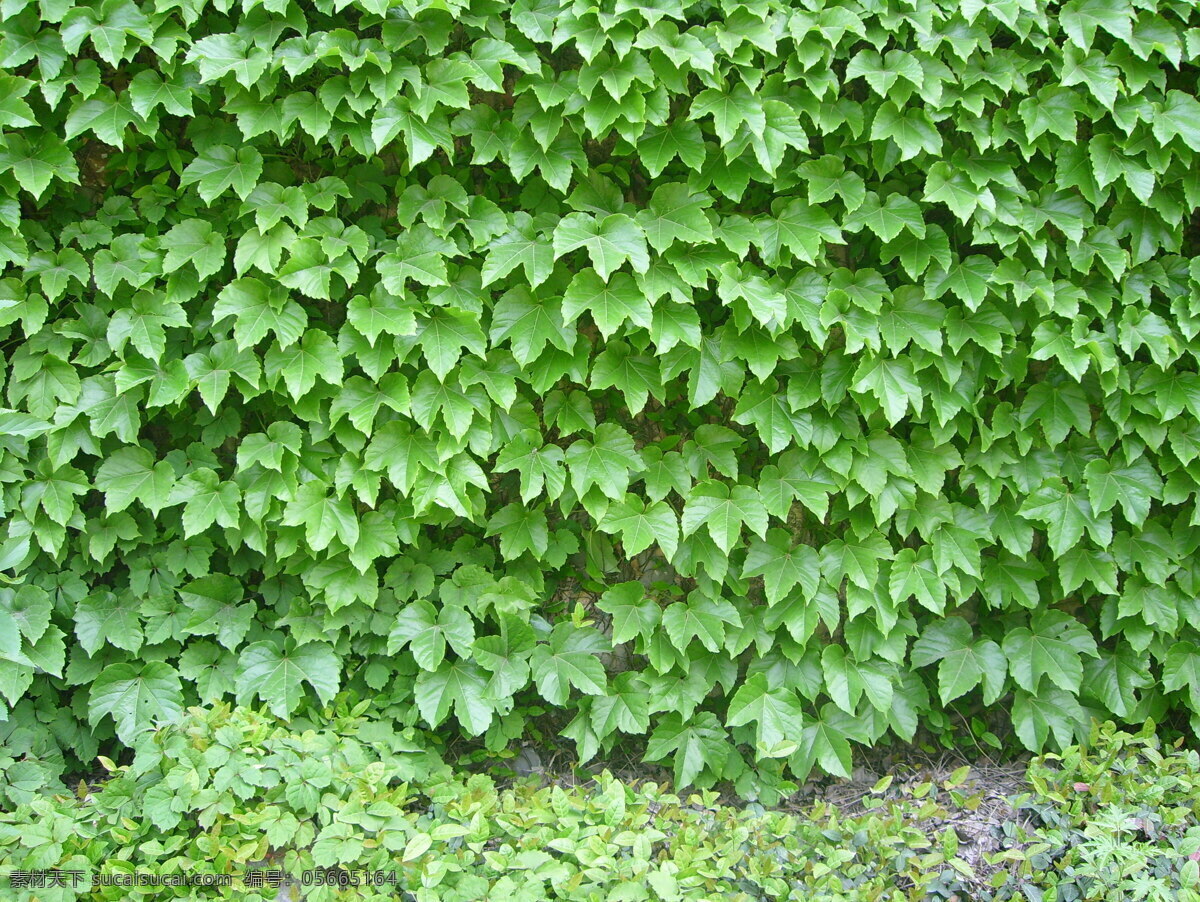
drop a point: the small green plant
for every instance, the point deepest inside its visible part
(1119, 819)
(228, 791)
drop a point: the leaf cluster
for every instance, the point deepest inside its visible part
(738, 381)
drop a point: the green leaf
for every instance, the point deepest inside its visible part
(137, 699)
(1081, 18)
(729, 109)
(420, 255)
(277, 674)
(775, 711)
(148, 91)
(633, 614)
(700, 617)
(444, 334)
(310, 270)
(1050, 646)
(966, 279)
(16, 423)
(610, 303)
(641, 524)
(1133, 486)
(800, 229)
(681, 139)
(894, 385)
(910, 127)
(914, 574)
(824, 741)
(1053, 712)
(522, 245)
(555, 163)
(458, 684)
(610, 241)
(781, 130)
(912, 318)
(696, 744)
(506, 657)
(1178, 117)
(782, 566)
(221, 54)
(606, 462)
(131, 474)
(521, 529)
(1181, 670)
(883, 72)
(219, 168)
(300, 365)
(106, 114)
(322, 516)
(426, 630)
(258, 309)
(1113, 679)
(36, 165)
(197, 242)
(216, 609)
(541, 469)
(625, 708)
(1065, 513)
(675, 213)
(29, 610)
(951, 186)
(569, 659)
(529, 323)
(887, 220)
(964, 662)
(724, 511)
(108, 617)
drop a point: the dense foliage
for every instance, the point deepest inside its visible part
(1116, 819)
(233, 792)
(754, 378)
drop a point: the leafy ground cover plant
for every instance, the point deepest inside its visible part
(736, 381)
(1116, 819)
(235, 790)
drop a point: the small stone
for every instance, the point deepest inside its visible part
(528, 761)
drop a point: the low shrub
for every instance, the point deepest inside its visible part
(232, 791)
